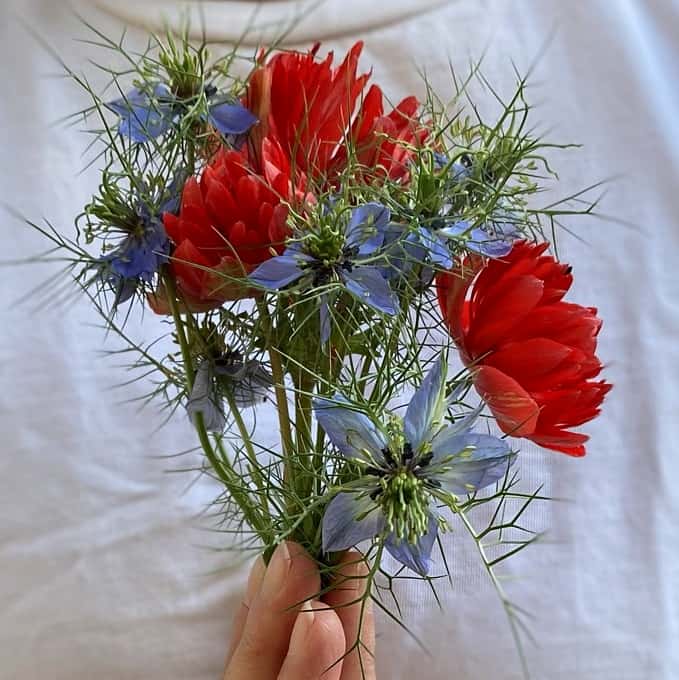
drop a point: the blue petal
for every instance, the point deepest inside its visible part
(427, 405)
(366, 228)
(142, 119)
(350, 430)
(326, 323)
(204, 400)
(436, 248)
(415, 556)
(492, 241)
(279, 271)
(440, 161)
(342, 527)
(124, 289)
(459, 171)
(496, 244)
(467, 462)
(231, 119)
(455, 230)
(467, 420)
(369, 286)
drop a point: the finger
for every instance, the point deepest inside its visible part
(290, 579)
(316, 645)
(254, 584)
(354, 609)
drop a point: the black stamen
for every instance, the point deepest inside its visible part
(408, 452)
(389, 457)
(426, 459)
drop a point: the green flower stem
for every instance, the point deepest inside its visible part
(279, 381)
(255, 469)
(221, 466)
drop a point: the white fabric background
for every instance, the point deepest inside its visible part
(104, 566)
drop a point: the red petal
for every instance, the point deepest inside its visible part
(189, 277)
(571, 443)
(529, 359)
(499, 313)
(515, 410)
(173, 227)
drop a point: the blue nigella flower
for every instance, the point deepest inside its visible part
(144, 249)
(138, 257)
(408, 465)
(144, 117)
(349, 264)
(245, 380)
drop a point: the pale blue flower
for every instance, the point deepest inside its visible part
(407, 465)
(137, 258)
(354, 267)
(144, 249)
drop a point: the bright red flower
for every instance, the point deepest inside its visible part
(234, 216)
(229, 222)
(316, 111)
(532, 354)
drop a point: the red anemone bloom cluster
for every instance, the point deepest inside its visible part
(532, 354)
(312, 118)
(317, 113)
(229, 222)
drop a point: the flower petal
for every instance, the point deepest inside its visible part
(366, 227)
(342, 527)
(456, 229)
(437, 249)
(469, 461)
(278, 272)
(427, 405)
(350, 430)
(142, 119)
(415, 556)
(204, 400)
(369, 286)
(231, 119)
(514, 408)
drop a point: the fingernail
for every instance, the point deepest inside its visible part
(277, 572)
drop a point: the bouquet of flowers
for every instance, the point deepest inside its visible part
(377, 273)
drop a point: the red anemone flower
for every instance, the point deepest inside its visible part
(316, 111)
(230, 221)
(532, 355)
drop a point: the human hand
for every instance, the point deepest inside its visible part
(282, 631)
